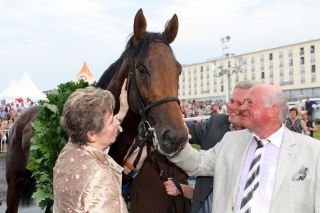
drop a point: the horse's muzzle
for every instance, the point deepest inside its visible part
(172, 142)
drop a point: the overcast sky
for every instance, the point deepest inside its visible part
(50, 39)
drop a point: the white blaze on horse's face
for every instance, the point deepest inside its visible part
(157, 74)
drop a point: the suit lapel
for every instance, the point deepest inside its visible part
(288, 150)
(240, 154)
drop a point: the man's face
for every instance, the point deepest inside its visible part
(234, 105)
(253, 111)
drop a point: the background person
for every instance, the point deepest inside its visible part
(311, 126)
(85, 177)
(208, 134)
(265, 168)
(294, 123)
(309, 107)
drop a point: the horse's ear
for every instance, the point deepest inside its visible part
(139, 27)
(171, 29)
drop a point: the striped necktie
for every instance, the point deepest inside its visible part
(253, 177)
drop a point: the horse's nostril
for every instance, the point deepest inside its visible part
(168, 136)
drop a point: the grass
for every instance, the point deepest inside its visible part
(316, 134)
(2, 154)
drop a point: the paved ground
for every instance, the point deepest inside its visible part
(3, 191)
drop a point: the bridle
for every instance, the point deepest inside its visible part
(149, 137)
(141, 106)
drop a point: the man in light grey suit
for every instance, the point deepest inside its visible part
(265, 168)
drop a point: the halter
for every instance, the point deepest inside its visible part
(141, 107)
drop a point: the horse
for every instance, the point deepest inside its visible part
(153, 72)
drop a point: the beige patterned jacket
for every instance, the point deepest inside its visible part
(86, 179)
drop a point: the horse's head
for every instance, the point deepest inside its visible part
(153, 79)
(153, 71)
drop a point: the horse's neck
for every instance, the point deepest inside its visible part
(130, 125)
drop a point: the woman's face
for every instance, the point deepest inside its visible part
(107, 135)
(293, 114)
(304, 116)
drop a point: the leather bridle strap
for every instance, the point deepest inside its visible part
(141, 107)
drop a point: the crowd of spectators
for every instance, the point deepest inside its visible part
(202, 108)
(9, 111)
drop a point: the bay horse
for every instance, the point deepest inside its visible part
(153, 71)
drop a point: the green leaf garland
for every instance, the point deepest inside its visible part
(48, 140)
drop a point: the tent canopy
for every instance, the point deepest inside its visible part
(24, 88)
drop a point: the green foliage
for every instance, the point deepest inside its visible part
(48, 140)
(316, 134)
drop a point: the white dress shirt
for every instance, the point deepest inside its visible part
(262, 196)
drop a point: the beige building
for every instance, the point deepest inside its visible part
(295, 68)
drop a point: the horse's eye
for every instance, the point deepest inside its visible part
(142, 69)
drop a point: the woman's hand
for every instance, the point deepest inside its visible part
(123, 98)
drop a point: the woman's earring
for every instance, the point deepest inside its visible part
(119, 128)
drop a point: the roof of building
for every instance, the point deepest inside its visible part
(85, 70)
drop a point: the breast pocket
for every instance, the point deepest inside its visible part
(302, 192)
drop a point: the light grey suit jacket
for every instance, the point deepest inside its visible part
(297, 182)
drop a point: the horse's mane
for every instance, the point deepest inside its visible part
(129, 52)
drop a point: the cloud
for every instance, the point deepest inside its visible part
(51, 39)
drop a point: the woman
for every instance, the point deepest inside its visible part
(311, 126)
(294, 123)
(85, 177)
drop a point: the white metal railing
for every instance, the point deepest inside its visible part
(199, 118)
(3, 143)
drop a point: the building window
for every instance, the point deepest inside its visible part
(313, 68)
(312, 49)
(313, 77)
(221, 83)
(253, 69)
(303, 79)
(302, 75)
(313, 59)
(262, 75)
(290, 62)
(291, 75)
(281, 59)
(270, 57)
(281, 76)
(290, 53)
(301, 51)
(302, 60)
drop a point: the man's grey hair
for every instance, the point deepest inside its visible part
(277, 97)
(245, 84)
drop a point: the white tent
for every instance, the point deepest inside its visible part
(8, 92)
(24, 88)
